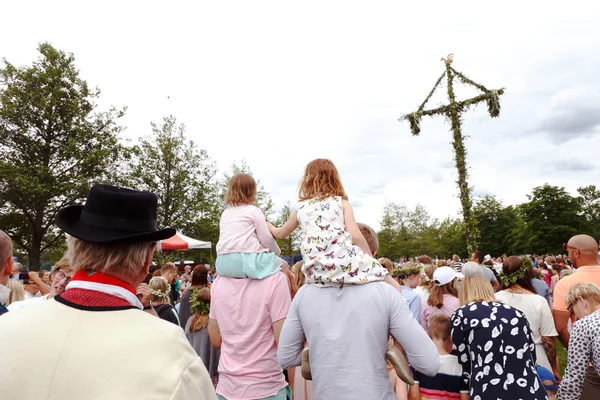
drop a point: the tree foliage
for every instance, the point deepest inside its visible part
(182, 177)
(539, 226)
(54, 144)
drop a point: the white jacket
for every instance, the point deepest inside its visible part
(58, 352)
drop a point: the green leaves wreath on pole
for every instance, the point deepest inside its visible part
(453, 111)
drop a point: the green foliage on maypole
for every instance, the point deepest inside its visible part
(453, 111)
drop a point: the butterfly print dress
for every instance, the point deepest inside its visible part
(330, 257)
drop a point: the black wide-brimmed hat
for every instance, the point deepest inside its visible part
(113, 214)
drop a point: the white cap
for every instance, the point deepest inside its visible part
(444, 275)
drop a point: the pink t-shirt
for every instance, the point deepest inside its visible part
(245, 310)
(243, 229)
(451, 304)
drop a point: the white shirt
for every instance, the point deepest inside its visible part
(27, 303)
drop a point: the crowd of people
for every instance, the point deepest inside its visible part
(341, 323)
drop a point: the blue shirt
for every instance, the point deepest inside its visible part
(541, 288)
(413, 300)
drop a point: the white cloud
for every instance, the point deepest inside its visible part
(281, 83)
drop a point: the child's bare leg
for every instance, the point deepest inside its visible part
(401, 390)
(388, 279)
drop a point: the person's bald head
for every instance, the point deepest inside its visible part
(583, 250)
(6, 249)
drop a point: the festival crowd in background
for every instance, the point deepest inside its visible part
(341, 323)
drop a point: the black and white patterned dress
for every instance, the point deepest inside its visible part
(584, 346)
(496, 351)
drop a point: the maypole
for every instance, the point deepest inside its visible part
(454, 111)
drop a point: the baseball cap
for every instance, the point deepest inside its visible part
(444, 275)
(547, 378)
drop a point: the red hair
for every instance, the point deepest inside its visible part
(321, 180)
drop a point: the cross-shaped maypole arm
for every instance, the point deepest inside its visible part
(489, 96)
(453, 111)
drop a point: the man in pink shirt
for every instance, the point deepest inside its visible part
(246, 317)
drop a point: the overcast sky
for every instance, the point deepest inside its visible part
(281, 83)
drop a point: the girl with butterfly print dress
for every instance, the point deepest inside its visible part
(335, 253)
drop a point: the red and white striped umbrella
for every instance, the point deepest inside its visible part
(182, 242)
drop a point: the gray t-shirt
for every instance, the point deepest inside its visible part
(347, 333)
(489, 274)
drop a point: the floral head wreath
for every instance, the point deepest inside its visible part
(513, 277)
(198, 306)
(158, 293)
(406, 271)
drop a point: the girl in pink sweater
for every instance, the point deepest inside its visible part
(246, 248)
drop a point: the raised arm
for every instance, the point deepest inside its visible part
(262, 231)
(352, 228)
(290, 226)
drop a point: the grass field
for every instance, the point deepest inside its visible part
(562, 357)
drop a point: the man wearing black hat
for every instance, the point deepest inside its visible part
(98, 344)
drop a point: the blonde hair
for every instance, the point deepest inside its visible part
(241, 189)
(321, 180)
(426, 280)
(17, 291)
(475, 288)
(199, 320)
(160, 289)
(126, 259)
(587, 290)
(61, 265)
(299, 277)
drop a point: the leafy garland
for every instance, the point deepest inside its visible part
(453, 111)
(513, 277)
(403, 272)
(198, 306)
(158, 293)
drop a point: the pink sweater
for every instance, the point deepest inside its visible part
(243, 229)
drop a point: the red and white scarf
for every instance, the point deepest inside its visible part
(104, 283)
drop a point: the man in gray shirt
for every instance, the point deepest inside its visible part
(489, 274)
(347, 330)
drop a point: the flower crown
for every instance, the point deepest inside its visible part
(158, 293)
(404, 271)
(513, 277)
(198, 306)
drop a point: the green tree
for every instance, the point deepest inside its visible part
(55, 145)
(452, 238)
(495, 223)
(394, 236)
(182, 177)
(551, 216)
(590, 204)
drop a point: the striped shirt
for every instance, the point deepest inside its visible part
(446, 385)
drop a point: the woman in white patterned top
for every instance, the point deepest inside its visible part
(582, 300)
